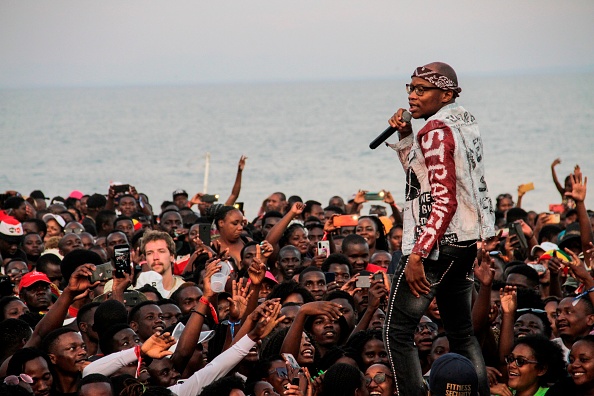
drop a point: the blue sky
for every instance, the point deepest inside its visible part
(109, 42)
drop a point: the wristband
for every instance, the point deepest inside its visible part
(213, 311)
(139, 357)
(201, 314)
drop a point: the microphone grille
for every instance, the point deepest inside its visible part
(406, 116)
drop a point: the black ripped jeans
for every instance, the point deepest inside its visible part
(451, 277)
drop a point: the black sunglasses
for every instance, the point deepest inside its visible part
(379, 378)
(427, 326)
(520, 361)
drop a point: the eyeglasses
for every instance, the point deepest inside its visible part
(419, 90)
(74, 230)
(531, 310)
(379, 378)
(281, 372)
(16, 271)
(520, 361)
(426, 326)
(14, 379)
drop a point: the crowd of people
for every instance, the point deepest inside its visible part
(292, 315)
(110, 295)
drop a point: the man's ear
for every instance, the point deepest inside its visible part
(133, 325)
(590, 320)
(52, 358)
(82, 326)
(447, 96)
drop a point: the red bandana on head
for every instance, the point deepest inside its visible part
(437, 79)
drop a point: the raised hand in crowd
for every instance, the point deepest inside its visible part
(509, 305)
(276, 232)
(78, 285)
(157, 346)
(351, 285)
(484, 272)
(389, 199)
(559, 186)
(578, 270)
(212, 268)
(377, 298)
(265, 320)
(237, 184)
(578, 186)
(358, 200)
(238, 302)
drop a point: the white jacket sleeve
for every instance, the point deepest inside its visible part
(111, 363)
(403, 148)
(214, 370)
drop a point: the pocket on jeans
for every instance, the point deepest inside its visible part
(435, 270)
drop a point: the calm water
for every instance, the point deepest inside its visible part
(309, 139)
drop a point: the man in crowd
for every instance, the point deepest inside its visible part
(159, 249)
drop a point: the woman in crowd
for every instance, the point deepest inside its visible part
(55, 225)
(284, 233)
(372, 229)
(379, 380)
(229, 223)
(368, 348)
(11, 307)
(533, 366)
(580, 369)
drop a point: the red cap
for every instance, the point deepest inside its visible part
(33, 277)
(268, 276)
(76, 194)
(271, 277)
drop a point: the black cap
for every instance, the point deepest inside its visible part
(572, 232)
(179, 191)
(38, 194)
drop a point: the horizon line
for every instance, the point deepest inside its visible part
(518, 73)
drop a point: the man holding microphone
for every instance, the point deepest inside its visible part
(447, 211)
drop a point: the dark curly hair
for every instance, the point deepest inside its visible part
(223, 386)
(284, 241)
(336, 258)
(548, 355)
(357, 343)
(342, 380)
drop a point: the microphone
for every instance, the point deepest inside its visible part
(406, 117)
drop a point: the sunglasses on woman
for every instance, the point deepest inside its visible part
(520, 361)
(379, 378)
